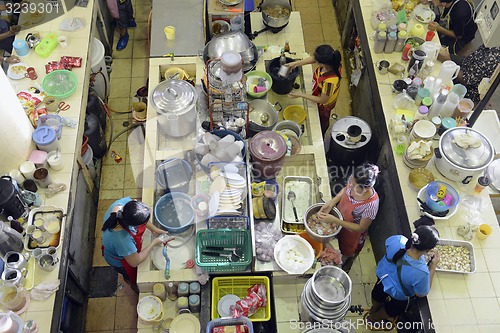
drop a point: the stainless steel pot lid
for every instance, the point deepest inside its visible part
(174, 96)
(477, 155)
(340, 129)
(493, 174)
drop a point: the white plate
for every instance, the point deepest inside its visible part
(232, 176)
(213, 204)
(17, 73)
(230, 212)
(177, 258)
(229, 168)
(424, 14)
(224, 305)
(218, 185)
(185, 323)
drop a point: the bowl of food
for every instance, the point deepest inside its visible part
(414, 41)
(319, 230)
(294, 254)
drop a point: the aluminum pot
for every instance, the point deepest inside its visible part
(175, 102)
(463, 163)
(262, 116)
(16, 260)
(331, 285)
(313, 210)
(288, 127)
(232, 41)
(276, 13)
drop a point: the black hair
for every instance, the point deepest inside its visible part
(327, 55)
(423, 238)
(365, 175)
(134, 213)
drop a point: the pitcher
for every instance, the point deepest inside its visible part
(431, 49)
(449, 71)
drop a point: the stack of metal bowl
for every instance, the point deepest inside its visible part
(326, 296)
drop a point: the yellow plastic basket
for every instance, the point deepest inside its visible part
(238, 285)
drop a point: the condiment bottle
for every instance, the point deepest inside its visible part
(287, 47)
(159, 291)
(416, 82)
(194, 303)
(421, 94)
(438, 104)
(392, 28)
(381, 27)
(421, 113)
(391, 42)
(402, 26)
(171, 291)
(194, 288)
(427, 101)
(482, 182)
(182, 289)
(282, 58)
(182, 303)
(400, 43)
(380, 39)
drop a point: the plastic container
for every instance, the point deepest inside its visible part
(431, 195)
(174, 212)
(421, 94)
(60, 83)
(379, 44)
(182, 303)
(172, 291)
(39, 158)
(159, 291)
(400, 43)
(450, 105)
(47, 45)
(194, 303)
(194, 288)
(223, 238)
(182, 289)
(390, 44)
(238, 285)
(46, 139)
(98, 65)
(438, 104)
(51, 120)
(421, 113)
(229, 322)
(382, 27)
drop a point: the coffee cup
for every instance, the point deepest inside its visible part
(47, 262)
(169, 32)
(42, 177)
(484, 231)
(31, 73)
(383, 66)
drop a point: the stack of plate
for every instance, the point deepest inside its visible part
(423, 130)
(417, 163)
(227, 191)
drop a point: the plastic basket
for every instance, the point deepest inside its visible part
(223, 238)
(238, 285)
(229, 322)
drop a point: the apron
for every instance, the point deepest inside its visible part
(444, 21)
(324, 111)
(132, 271)
(351, 242)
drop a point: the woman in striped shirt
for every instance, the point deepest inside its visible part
(326, 81)
(358, 203)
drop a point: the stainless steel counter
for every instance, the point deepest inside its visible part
(187, 18)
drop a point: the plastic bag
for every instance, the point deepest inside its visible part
(403, 101)
(266, 237)
(254, 300)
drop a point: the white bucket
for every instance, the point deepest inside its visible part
(88, 159)
(99, 64)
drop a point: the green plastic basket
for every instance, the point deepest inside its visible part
(227, 238)
(60, 83)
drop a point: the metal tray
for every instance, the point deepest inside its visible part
(55, 240)
(460, 243)
(305, 193)
(292, 228)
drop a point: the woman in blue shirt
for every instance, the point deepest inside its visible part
(403, 273)
(124, 224)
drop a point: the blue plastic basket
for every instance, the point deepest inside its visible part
(431, 192)
(229, 322)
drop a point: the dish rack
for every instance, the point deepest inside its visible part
(229, 238)
(238, 285)
(226, 103)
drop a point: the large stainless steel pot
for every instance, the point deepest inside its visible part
(232, 41)
(463, 163)
(262, 116)
(276, 13)
(175, 102)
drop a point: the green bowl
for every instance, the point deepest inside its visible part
(254, 76)
(60, 83)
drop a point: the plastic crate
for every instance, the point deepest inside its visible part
(230, 322)
(238, 285)
(223, 238)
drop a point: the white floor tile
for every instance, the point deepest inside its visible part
(487, 310)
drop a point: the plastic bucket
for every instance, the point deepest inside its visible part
(98, 64)
(174, 212)
(88, 159)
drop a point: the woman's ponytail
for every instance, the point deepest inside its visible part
(424, 238)
(409, 243)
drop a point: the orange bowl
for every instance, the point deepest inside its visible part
(317, 246)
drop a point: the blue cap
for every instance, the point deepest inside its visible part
(448, 122)
(44, 135)
(392, 34)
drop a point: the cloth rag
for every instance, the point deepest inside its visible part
(467, 140)
(418, 150)
(42, 291)
(72, 24)
(424, 220)
(54, 188)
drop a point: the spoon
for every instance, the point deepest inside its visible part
(291, 196)
(232, 256)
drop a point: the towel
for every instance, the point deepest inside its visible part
(418, 150)
(42, 291)
(467, 140)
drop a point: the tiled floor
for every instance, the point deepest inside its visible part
(129, 72)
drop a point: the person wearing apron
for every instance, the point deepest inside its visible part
(358, 203)
(455, 24)
(326, 82)
(125, 222)
(403, 274)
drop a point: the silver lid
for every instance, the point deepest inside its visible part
(173, 96)
(339, 132)
(468, 158)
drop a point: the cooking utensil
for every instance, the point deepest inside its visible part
(291, 197)
(232, 257)
(237, 251)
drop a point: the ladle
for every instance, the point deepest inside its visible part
(291, 196)
(232, 256)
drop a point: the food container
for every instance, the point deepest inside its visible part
(288, 127)
(276, 13)
(174, 212)
(175, 102)
(460, 243)
(268, 150)
(174, 175)
(305, 193)
(49, 214)
(294, 254)
(313, 210)
(463, 164)
(46, 139)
